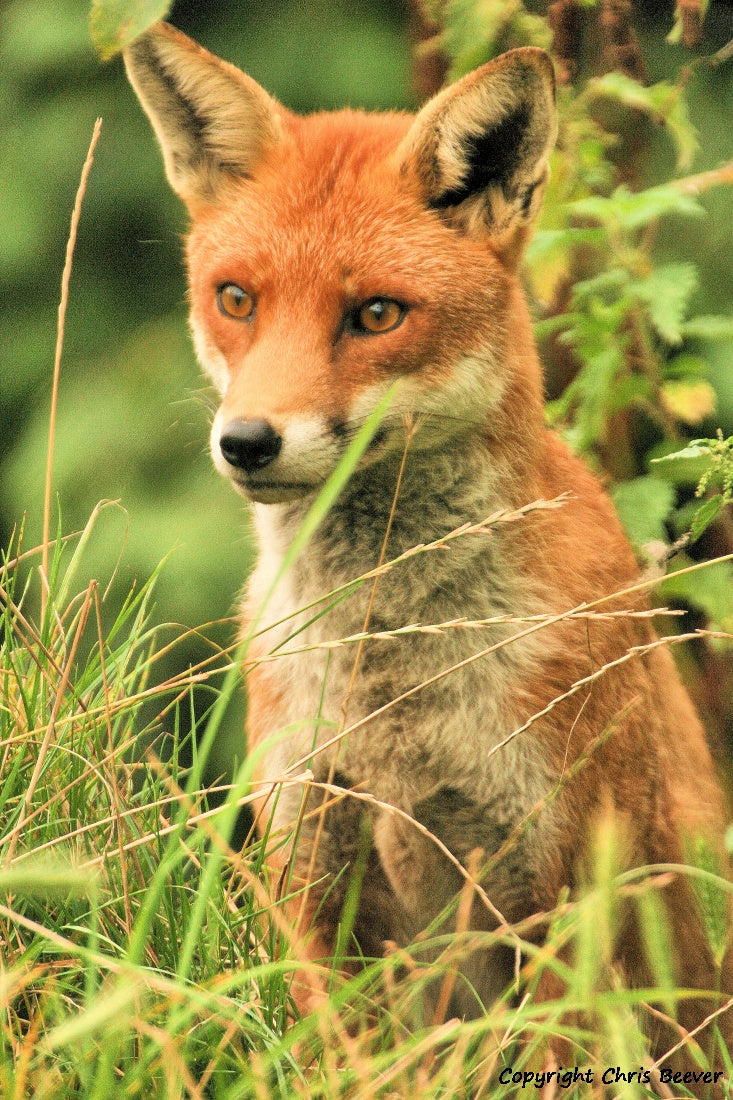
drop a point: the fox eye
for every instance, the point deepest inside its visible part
(235, 302)
(377, 315)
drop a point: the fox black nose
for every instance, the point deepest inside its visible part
(250, 444)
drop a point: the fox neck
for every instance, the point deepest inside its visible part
(419, 501)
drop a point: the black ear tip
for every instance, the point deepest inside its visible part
(143, 49)
(144, 45)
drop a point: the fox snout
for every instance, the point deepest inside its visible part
(249, 445)
(249, 451)
(273, 460)
(283, 459)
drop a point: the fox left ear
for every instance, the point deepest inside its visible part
(212, 121)
(480, 148)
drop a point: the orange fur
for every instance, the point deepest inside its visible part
(316, 220)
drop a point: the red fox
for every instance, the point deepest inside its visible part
(329, 257)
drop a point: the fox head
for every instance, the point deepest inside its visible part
(332, 254)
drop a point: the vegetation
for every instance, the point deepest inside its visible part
(141, 949)
(144, 952)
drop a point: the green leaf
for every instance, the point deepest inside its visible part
(686, 366)
(656, 933)
(551, 326)
(629, 390)
(592, 389)
(662, 102)
(643, 505)
(549, 242)
(607, 285)
(623, 89)
(705, 515)
(117, 23)
(684, 467)
(633, 210)
(696, 448)
(709, 327)
(473, 33)
(711, 892)
(709, 589)
(666, 292)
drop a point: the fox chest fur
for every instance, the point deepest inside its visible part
(428, 701)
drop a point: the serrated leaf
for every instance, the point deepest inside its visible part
(684, 467)
(705, 515)
(608, 284)
(549, 241)
(666, 293)
(553, 325)
(643, 505)
(633, 210)
(623, 89)
(115, 24)
(696, 448)
(627, 390)
(659, 202)
(596, 207)
(472, 33)
(592, 389)
(550, 257)
(688, 401)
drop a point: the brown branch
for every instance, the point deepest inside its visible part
(703, 181)
(621, 48)
(688, 16)
(565, 20)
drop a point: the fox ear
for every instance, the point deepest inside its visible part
(211, 120)
(480, 147)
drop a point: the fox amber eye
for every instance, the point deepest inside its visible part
(235, 302)
(378, 315)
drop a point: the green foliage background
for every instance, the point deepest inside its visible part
(133, 416)
(133, 408)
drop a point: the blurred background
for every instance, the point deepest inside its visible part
(133, 410)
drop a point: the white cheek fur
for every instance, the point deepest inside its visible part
(210, 358)
(470, 394)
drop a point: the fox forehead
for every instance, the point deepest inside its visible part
(331, 202)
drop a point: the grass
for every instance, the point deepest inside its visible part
(144, 954)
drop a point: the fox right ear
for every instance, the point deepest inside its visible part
(212, 121)
(480, 148)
